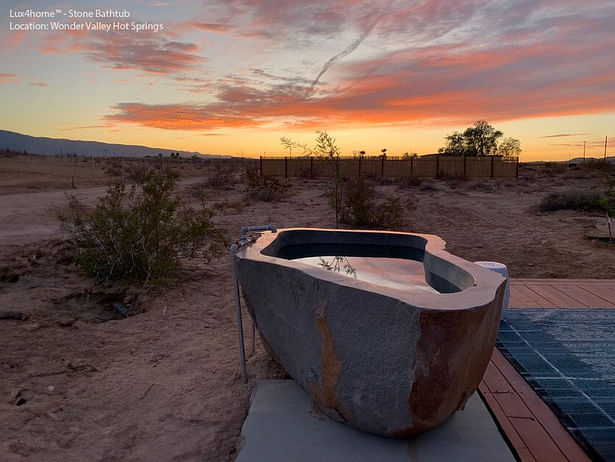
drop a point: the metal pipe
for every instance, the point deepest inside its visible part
(247, 229)
(242, 351)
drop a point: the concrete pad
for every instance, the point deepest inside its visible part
(282, 427)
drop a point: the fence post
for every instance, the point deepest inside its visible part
(260, 165)
(382, 167)
(465, 166)
(285, 167)
(492, 161)
(311, 167)
(359, 166)
(437, 166)
(337, 170)
(517, 169)
(411, 166)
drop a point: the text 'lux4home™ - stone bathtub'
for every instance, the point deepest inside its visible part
(386, 331)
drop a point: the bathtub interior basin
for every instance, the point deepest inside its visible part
(398, 273)
(386, 331)
(391, 259)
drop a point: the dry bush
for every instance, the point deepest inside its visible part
(584, 201)
(478, 185)
(455, 182)
(141, 231)
(385, 180)
(554, 168)
(528, 176)
(267, 188)
(360, 210)
(428, 185)
(407, 182)
(578, 174)
(222, 178)
(252, 176)
(601, 166)
(113, 168)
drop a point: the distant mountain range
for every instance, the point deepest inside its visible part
(53, 146)
(579, 160)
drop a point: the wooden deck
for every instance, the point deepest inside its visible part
(562, 293)
(528, 423)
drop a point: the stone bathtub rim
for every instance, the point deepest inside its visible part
(481, 293)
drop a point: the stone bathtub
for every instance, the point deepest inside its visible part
(393, 353)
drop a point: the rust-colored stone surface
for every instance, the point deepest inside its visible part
(445, 377)
(331, 365)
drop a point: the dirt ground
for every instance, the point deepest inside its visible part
(78, 383)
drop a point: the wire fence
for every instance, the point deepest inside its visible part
(427, 167)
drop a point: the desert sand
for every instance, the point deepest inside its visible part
(79, 383)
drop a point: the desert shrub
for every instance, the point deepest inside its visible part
(390, 214)
(454, 183)
(554, 168)
(222, 178)
(113, 168)
(523, 184)
(140, 231)
(585, 201)
(358, 204)
(407, 182)
(360, 209)
(428, 185)
(577, 174)
(252, 178)
(528, 175)
(385, 180)
(598, 166)
(267, 189)
(480, 186)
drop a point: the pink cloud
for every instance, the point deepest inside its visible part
(8, 78)
(144, 51)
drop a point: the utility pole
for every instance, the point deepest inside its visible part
(583, 151)
(605, 141)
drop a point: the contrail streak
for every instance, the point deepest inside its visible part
(349, 49)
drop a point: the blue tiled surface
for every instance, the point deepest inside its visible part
(568, 357)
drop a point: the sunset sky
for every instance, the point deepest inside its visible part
(233, 76)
